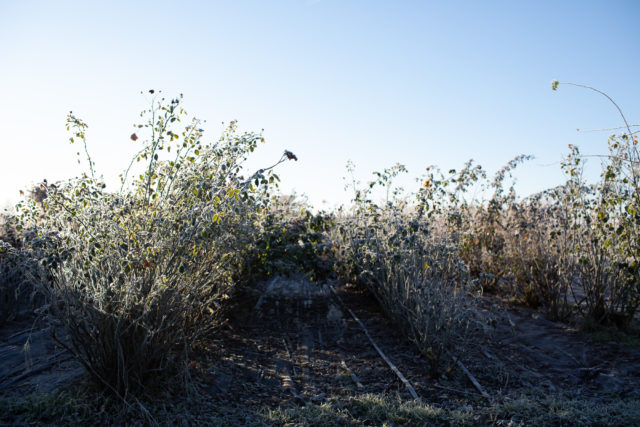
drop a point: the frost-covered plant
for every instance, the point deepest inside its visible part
(292, 241)
(141, 274)
(608, 219)
(410, 263)
(21, 275)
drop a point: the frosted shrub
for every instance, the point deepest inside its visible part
(410, 263)
(140, 275)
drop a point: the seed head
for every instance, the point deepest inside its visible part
(290, 155)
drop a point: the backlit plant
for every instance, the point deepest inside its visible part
(141, 274)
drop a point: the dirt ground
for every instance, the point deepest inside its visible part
(294, 353)
(30, 361)
(294, 343)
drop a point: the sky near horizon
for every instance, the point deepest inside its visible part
(375, 82)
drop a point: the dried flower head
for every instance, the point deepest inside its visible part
(290, 155)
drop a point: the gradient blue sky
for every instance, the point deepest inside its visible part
(376, 82)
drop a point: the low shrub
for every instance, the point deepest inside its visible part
(411, 266)
(140, 275)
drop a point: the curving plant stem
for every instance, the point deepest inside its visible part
(624, 119)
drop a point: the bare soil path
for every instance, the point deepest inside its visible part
(299, 349)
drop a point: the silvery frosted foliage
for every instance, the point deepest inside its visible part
(607, 219)
(411, 265)
(142, 273)
(20, 276)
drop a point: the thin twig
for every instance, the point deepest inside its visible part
(606, 129)
(571, 356)
(489, 355)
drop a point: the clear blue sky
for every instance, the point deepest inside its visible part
(420, 83)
